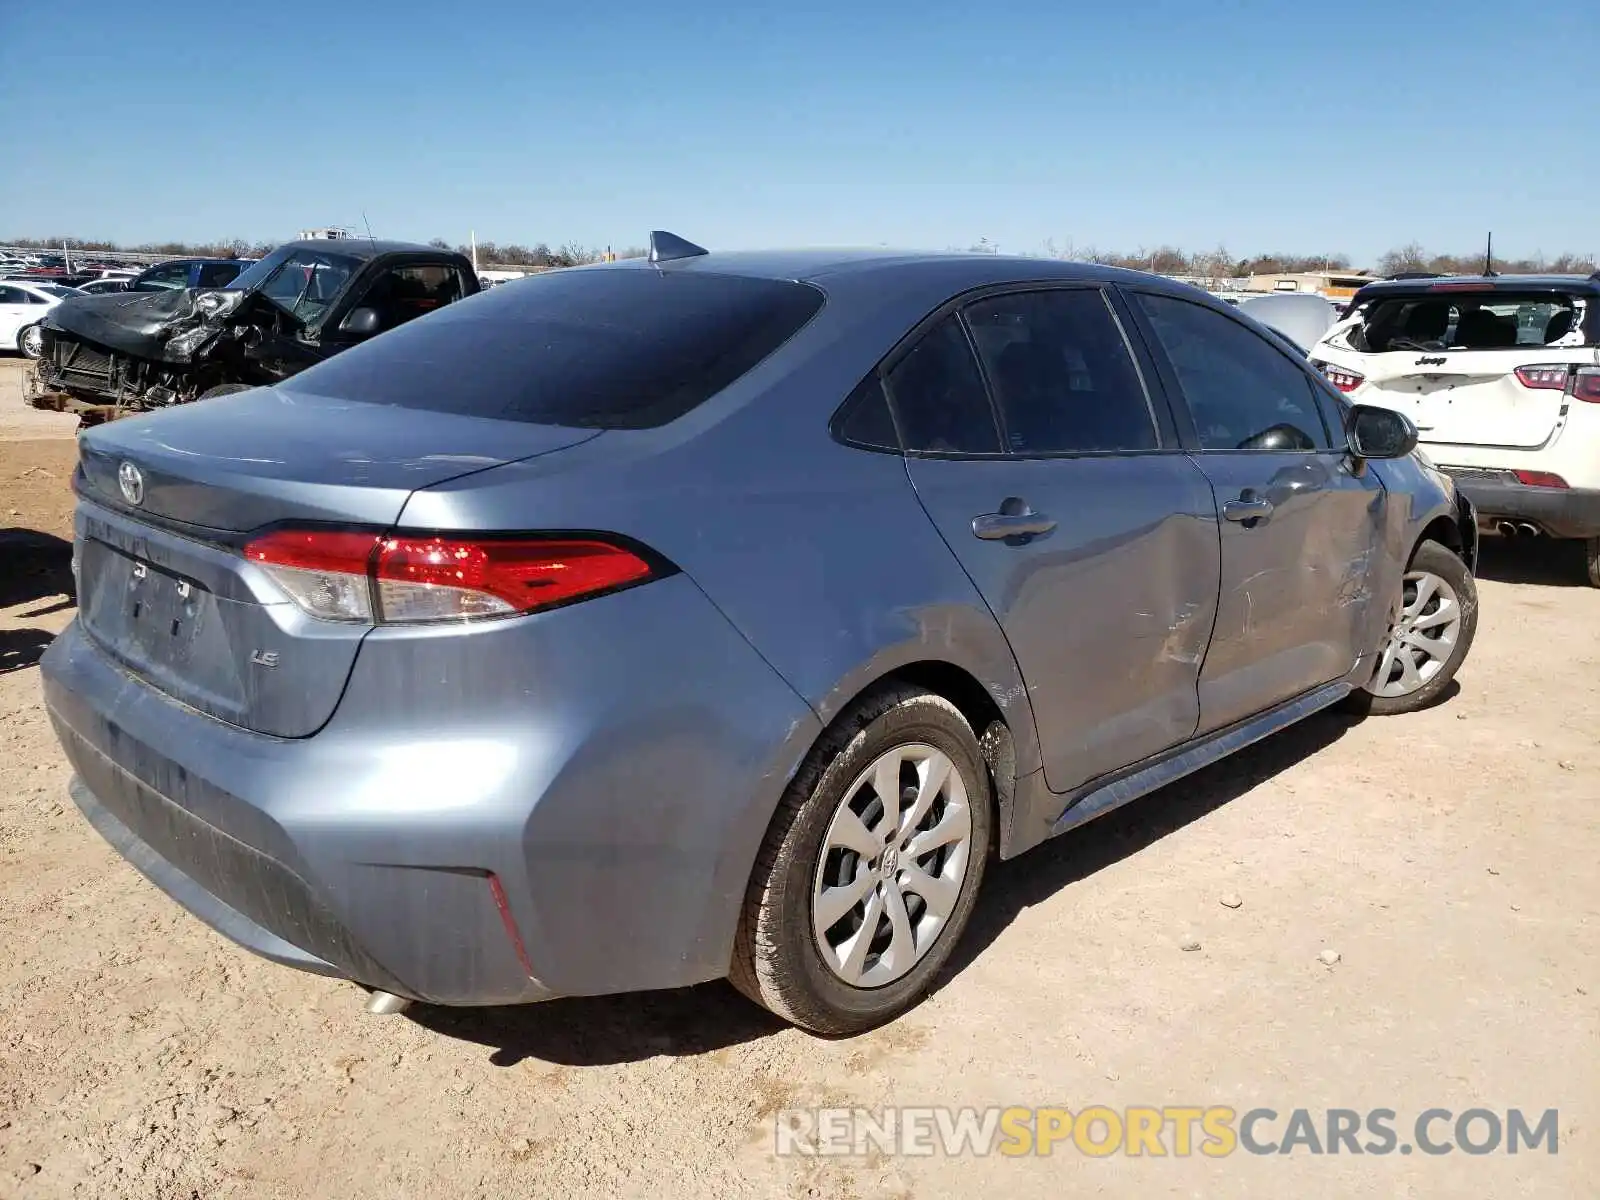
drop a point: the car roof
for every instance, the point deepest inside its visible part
(362, 248)
(1586, 285)
(866, 270)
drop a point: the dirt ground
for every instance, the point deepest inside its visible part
(1448, 858)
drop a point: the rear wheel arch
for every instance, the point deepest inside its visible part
(971, 698)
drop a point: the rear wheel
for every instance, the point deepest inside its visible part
(30, 341)
(1591, 552)
(870, 869)
(1431, 628)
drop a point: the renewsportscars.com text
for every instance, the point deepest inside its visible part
(1177, 1131)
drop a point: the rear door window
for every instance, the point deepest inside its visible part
(1062, 375)
(940, 404)
(1243, 392)
(595, 348)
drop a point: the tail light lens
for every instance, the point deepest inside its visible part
(1540, 479)
(405, 578)
(1586, 385)
(1552, 376)
(1342, 378)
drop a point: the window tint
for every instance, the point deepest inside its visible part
(214, 275)
(1061, 373)
(13, 295)
(939, 400)
(866, 420)
(1245, 394)
(604, 348)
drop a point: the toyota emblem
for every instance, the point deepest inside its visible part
(131, 480)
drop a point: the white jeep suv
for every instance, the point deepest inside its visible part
(1501, 375)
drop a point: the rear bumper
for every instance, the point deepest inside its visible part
(618, 809)
(1559, 512)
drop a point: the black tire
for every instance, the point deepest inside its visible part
(1591, 559)
(1440, 561)
(223, 389)
(776, 960)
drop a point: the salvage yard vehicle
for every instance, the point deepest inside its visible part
(179, 273)
(1501, 375)
(24, 304)
(723, 615)
(105, 357)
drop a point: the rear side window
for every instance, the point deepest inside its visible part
(1062, 374)
(1244, 393)
(598, 348)
(940, 404)
(865, 420)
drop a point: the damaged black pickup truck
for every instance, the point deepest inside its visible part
(109, 356)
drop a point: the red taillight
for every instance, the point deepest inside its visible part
(416, 575)
(1586, 385)
(314, 550)
(401, 578)
(1344, 380)
(1544, 375)
(1540, 479)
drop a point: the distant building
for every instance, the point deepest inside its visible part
(330, 232)
(1337, 284)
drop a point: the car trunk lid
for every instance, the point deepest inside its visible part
(162, 584)
(1470, 397)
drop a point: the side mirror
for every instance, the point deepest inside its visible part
(362, 322)
(1380, 432)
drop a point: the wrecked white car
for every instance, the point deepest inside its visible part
(1501, 376)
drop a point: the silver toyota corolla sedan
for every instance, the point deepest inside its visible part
(723, 615)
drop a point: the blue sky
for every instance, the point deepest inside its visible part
(1302, 127)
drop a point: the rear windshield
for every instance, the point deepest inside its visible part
(599, 348)
(1488, 320)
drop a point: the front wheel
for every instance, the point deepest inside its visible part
(1431, 628)
(30, 341)
(870, 868)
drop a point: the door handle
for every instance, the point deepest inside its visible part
(1247, 508)
(1001, 526)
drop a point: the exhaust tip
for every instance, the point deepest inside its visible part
(386, 1004)
(1527, 530)
(1505, 529)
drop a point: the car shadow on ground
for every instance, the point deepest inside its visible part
(614, 1029)
(22, 648)
(604, 1030)
(35, 566)
(1010, 887)
(1552, 562)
